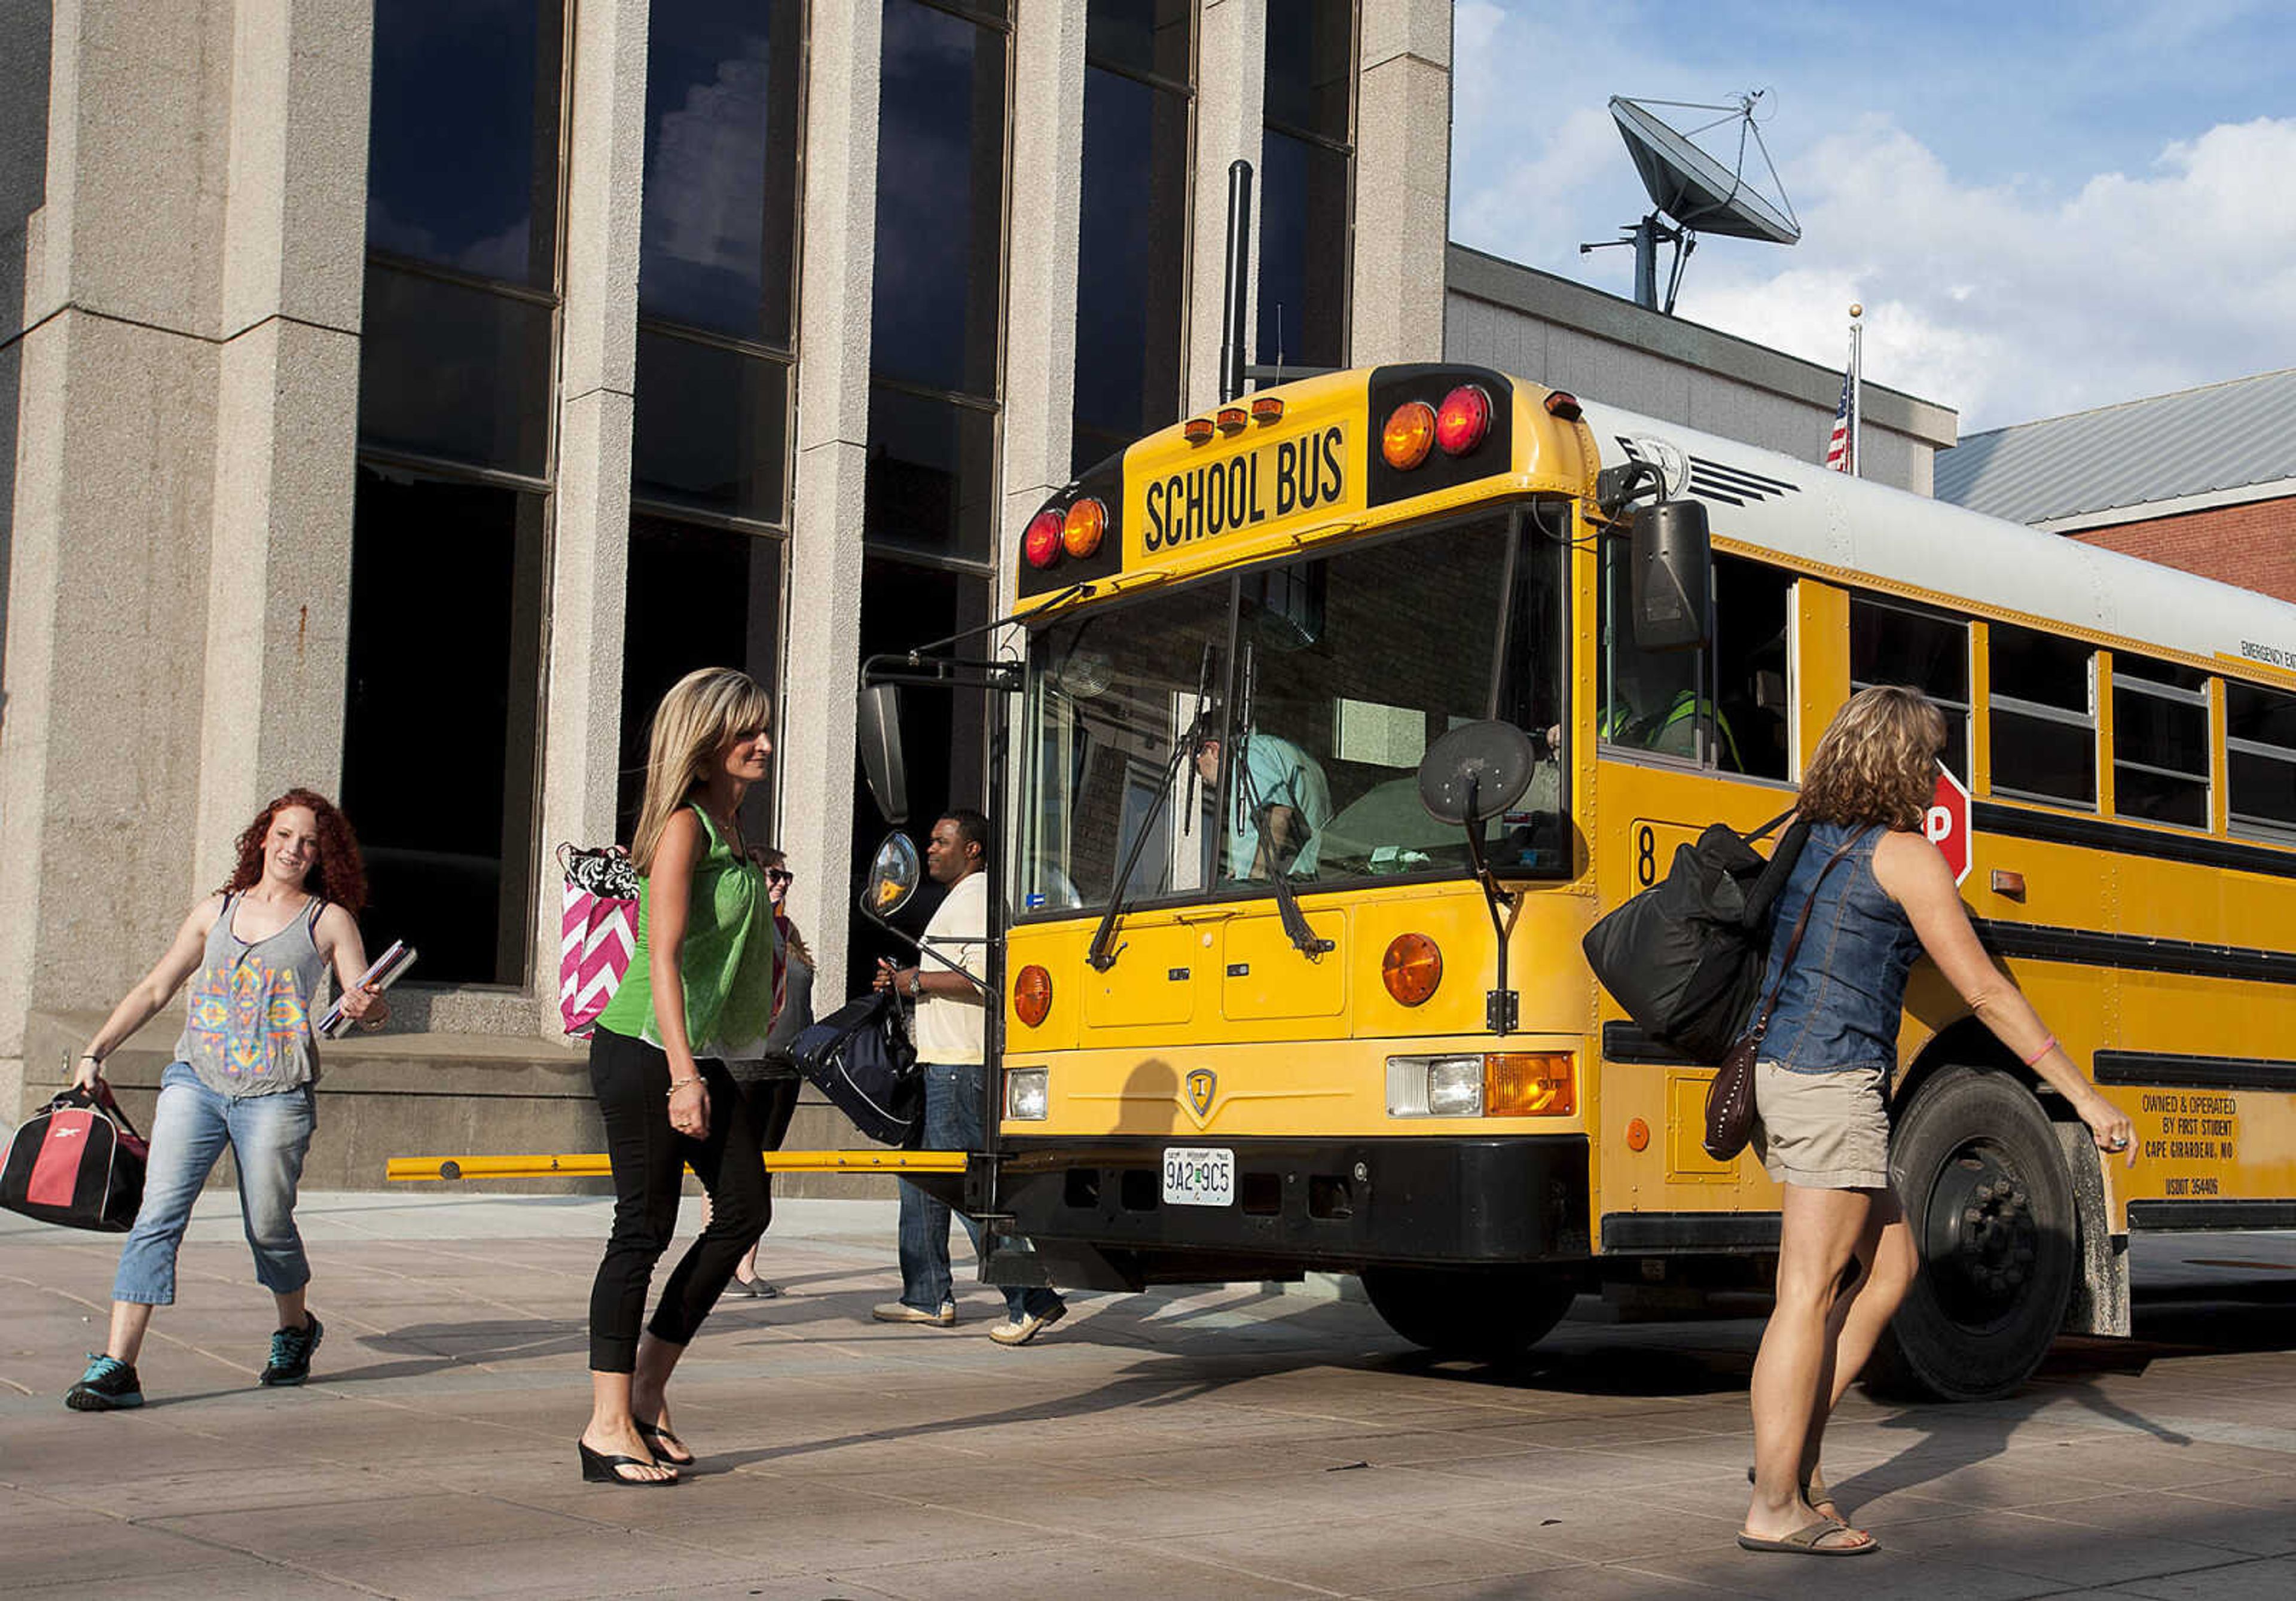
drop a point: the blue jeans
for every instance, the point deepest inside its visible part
(267, 1134)
(953, 1122)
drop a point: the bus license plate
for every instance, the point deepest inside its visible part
(1199, 1175)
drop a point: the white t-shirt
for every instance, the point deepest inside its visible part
(953, 1030)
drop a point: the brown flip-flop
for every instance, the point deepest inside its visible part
(1810, 1540)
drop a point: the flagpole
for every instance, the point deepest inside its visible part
(1856, 390)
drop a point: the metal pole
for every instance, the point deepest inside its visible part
(1239, 279)
(1857, 391)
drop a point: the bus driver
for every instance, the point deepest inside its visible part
(1281, 804)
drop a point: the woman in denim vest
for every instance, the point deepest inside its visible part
(1821, 1087)
(262, 947)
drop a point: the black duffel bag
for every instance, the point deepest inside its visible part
(1685, 957)
(860, 1057)
(78, 1162)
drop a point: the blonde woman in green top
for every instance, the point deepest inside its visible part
(700, 992)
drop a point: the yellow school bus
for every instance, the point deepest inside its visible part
(1265, 1012)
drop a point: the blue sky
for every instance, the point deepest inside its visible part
(2043, 207)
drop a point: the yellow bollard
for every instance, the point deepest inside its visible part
(593, 1164)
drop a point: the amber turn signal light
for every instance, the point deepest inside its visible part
(1411, 968)
(1528, 1084)
(1267, 408)
(1041, 544)
(1196, 429)
(1080, 533)
(1032, 994)
(1409, 435)
(1563, 405)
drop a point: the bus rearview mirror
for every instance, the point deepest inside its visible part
(880, 731)
(1671, 569)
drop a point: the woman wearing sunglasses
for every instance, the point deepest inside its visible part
(770, 1083)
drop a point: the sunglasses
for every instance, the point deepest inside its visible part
(779, 875)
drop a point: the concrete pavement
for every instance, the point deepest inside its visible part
(1218, 1442)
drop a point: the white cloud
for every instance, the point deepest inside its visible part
(2010, 267)
(2008, 306)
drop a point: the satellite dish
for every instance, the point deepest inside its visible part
(1696, 189)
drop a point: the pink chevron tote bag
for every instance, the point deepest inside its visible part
(600, 931)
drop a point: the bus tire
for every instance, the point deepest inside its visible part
(1983, 1182)
(1488, 1314)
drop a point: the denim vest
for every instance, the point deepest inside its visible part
(1839, 1007)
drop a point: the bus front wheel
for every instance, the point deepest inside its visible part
(1984, 1185)
(1488, 1314)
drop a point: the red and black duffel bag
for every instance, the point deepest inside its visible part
(78, 1162)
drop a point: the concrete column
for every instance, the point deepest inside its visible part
(581, 712)
(1231, 89)
(1047, 193)
(294, 240)
(1403, 181)
(837, 271)
(113, 506)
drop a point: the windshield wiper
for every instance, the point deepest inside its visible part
(1183, 744)
(1296, 926)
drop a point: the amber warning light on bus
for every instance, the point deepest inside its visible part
(1415, 428)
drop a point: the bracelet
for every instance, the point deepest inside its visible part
(91, 1056)
(2048, 1045)
(677, 1084)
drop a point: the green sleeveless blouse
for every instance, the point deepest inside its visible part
(726, 961)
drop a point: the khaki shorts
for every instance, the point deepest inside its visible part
(1823, 1131)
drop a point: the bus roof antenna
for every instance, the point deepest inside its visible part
(1695, 189)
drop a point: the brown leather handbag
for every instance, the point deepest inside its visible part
(1730, 1098)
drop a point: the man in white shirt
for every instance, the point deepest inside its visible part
(951, 1027)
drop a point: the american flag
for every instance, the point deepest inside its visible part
(1837, 443)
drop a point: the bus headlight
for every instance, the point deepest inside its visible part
(1500, 1084)
(1434, 1085)
(1028, 1095)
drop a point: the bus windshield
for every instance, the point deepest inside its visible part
(1306, 693)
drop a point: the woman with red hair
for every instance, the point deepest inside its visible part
(245, 1064)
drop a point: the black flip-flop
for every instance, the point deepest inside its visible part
(1810, 1540)
(654, 1435)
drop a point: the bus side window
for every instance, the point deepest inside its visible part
(1751, 672)
(1897, 642)
(1726, 709)
(1643, 700)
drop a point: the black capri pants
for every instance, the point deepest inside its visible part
(631, 1080)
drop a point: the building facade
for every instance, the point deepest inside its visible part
(397, 394)
(2203, 480)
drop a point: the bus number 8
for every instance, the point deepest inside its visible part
(1646, 856)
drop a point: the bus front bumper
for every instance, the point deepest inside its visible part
(1093, 1215)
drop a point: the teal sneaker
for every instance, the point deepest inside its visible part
(109, 1385)
(290, 1351)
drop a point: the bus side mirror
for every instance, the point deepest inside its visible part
(893, 874)
(880, 751)
(1671, 569)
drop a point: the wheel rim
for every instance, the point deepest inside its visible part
(1980, 1236)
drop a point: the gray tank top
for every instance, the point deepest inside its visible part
(253, 1007)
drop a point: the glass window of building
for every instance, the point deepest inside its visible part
(1133, 232)
(718, 257)
(929, 498)
(1891, 642)
(2041, 699)
(699, 597)
(934, 329)
(456, 355)
(1305, 185)
(440, 731)
(462, 159)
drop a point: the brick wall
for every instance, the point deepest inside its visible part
(2252, 545)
